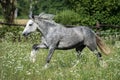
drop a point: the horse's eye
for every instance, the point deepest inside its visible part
(30, 24)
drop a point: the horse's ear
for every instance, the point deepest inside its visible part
(31, 16)
(41, 14)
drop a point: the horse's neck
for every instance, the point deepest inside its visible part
(43, 27)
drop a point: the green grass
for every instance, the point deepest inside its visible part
(15, 64)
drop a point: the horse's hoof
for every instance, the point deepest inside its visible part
(46, 66)
(32, 60)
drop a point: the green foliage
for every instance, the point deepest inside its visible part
(51, 6)
(23, 8)
(88, 12)
(0, 11)
(70, 17)
(48, 6)
(105, 11)
(67, 17)
(14, 34)
(5, 29)
(15, 64)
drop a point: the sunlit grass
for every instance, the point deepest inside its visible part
(15, 64)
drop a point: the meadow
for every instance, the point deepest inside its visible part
(15, 63)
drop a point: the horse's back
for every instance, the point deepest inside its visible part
(69, 37)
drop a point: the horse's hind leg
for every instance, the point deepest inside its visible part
(101, 62)
(93, 48)
(79, 50)
(35, 48)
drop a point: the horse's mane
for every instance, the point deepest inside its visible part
(48, 19)
(50, 22)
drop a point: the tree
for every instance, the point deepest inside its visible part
(8, 10)
(104, 11)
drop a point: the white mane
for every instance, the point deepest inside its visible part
(46, 16)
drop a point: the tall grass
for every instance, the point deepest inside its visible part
(15, 64)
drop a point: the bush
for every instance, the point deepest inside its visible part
(10, 32)
(68, 17)
(14, 34)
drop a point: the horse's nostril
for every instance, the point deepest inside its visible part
(24, 34)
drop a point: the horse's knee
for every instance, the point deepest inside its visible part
(35, 47)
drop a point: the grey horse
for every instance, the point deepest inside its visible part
(56, 36)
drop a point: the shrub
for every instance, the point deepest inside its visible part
(14, 34)
(68, 17)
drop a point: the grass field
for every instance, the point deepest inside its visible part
(15, 64)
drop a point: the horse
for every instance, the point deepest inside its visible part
(56, 36)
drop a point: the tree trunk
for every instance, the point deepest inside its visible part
(8, 7)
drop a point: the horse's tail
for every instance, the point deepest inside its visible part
(102, 46)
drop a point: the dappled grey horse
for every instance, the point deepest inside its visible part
(56, 36)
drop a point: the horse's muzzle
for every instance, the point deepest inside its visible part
(25, 34)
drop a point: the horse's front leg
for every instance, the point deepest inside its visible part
(35, 48)
(50, 54)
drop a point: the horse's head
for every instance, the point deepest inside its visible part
(36, 22)
(31, 26)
